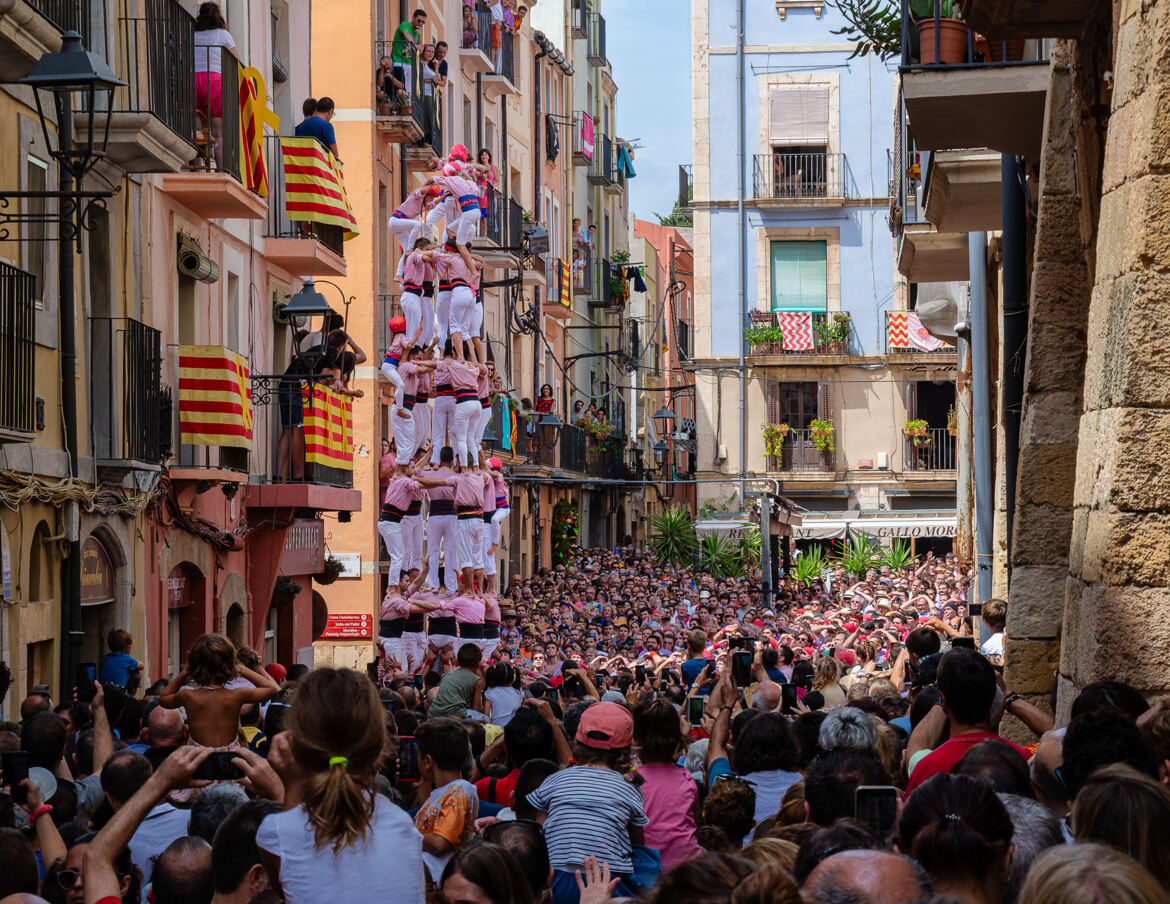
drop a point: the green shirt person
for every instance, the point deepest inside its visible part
(407, 38)
(460, 689)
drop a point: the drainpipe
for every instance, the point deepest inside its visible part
(742, 225)
(536, 106)
(981, 407)
(1015, 328)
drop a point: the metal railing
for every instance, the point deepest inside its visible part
(515, 224)
(682, 340)
(899, 349)
(131, 417)
(582, 269)
(582, 156)
(494, 221)
(272, 393)
(156, 59)
(579, 19)
(66, 15)
(17, 350)
(779, 175)
(940, 41)
(394, 99)
(933, 452)
(602, 291)
(686, 188)
(763, 335)
(800, 453)
(597, 55)
(217, 121)
(617, 174)
(495, 42)
(601, 170)
(279, 225)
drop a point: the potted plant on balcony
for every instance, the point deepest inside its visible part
(774, 436)
(952, 31)
(918, 431)
(999, 51)
(285, 591)
(765, 340)
(952, 421)
(833, 337)
(330, 571)
(821, 433)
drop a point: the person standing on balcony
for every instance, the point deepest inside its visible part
(405, 47)
(319, 125)
(486, 181)
(441, 48)
(211, 39)
(428, 75)
(470, 32)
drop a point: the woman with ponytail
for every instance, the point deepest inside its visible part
(336, 834)
(961, 833)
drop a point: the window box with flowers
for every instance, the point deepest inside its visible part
(821, 433)
(774, 437)
(918, 432)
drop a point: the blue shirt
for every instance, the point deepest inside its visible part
(117, 669)
(691, 669)
(316, 127)
(775, 675)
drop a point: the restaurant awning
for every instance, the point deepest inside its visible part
(880, 525)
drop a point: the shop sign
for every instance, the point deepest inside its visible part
(348, 626)
(178, 588)
(304, 547)
(97, 574)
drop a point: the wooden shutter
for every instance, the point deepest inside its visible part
(825, 401)
(775, 416)
(799, 115)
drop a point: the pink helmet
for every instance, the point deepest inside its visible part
(458, 152)
(495, 463)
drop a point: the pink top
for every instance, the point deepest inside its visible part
(501, 487)
(465, 609)
(491, 609)
(438, 474)
(424, 382)
(443, 372)
(409, 372)
(463, 375)
(483, 385)
(414, 270)
(670, 796)
(398, 345)
(394, 607)
(459, 186)
(468, 488)
(489, 495)
(401, 491)
(387, 462)
(455, 266)
(413, 205)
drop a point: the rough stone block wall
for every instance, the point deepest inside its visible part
(1117, 609)
(1059, 300)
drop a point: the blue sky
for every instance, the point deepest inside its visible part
(649, 47)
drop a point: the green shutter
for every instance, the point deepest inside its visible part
(800, 276)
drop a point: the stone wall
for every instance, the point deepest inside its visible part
(1060, 290)
(1116, 622)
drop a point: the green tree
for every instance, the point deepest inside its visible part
(672, 536)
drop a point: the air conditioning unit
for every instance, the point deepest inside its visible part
(721, 452)
(883, 461)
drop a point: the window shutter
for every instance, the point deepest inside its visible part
(775, 416)
(825, 401)
(799, 115)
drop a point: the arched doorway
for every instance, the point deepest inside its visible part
(39, 584)
(185, 612)
(235, 626)
(320, 615)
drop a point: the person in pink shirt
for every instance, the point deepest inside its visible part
(402, 413)
(442, 304)
(491, 626)
(402, 489)
(394, 354)
(422, 393)
(465, 381)
(501, 491)
(458, 179)
(483, 387)
(398, 605)
(469, 614)
(468, 483)
(462, 271)
(407, 221)
(441, 523)
(443, 417)
(671, 797)
(487, 550)
(414, 275)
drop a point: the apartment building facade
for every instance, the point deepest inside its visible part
(809, 368)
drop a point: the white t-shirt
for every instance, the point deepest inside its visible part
(505, 701)
(208, 60)
(993, 646)
(387, 867)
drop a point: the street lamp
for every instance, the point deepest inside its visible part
(664, 418)
(660, 449)
(63, 73)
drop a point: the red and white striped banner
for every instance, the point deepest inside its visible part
(797, 327)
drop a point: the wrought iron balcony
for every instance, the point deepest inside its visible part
(597, 55)
(799, 452)
(799, 177)
(933, 452)
(131, 407)
(764, 334)
(601, 170)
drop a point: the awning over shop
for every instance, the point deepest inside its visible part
(880, 525)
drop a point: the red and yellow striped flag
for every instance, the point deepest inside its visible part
(254, 115)
(563, 274)
(215, 397)
(328, 428)
(314, 189)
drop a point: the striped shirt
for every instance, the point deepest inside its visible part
(590, 811)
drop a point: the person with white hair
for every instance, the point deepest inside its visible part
(849, 727)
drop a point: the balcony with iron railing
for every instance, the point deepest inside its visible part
(583, 274)
(903, 337)
(557, 301)
(617, 181)
(601, 170)
(18, 416)
(132, 409)
(596, 55)
(602, 279)
(583, 151)
(501, 80)
(934, 450)
(799, 453)
(304, 247)
(797, 333)
(31, 28)
(402, 114)
(579, 19)
(800, 178)
(66, 15)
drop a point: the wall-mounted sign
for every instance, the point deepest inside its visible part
(97, 574)
(304, 547)
(179, 588)
(351, 564)
(348, 626)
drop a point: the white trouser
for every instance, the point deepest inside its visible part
(403, 424)
(406, 232)
(461, 312)
(412, 539)
(488, 645)
(469, 542)
(394, 648)
(443, 314)
(441, 529)
(485, 416)
(440, 212)
(421, 413)
(412, 311)
(497, 524)
(395, 378)
(442, 422)
(415, 645)
(466, 415)
(391, 532)
(489, 563)
(476, 324)
(427, 315)
(467, 226)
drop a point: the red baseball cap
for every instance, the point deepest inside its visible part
(276, 671)
(606, 726)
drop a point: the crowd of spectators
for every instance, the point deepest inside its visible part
(640, 732)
